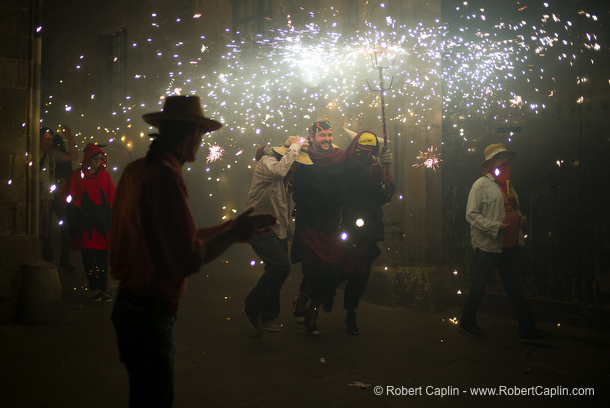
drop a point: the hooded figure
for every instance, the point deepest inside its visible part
(89, 192)
(361, 214)
(362, 224)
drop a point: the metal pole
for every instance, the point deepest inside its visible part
(382, 90)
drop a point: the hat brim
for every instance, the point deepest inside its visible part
(302, 158)
(511, 155)
(157, 117)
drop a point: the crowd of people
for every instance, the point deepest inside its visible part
(144, 235)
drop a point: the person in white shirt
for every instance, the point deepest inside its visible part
(496, 231)
(268, 195)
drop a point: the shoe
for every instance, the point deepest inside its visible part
(106, 298)
(298, 309)
(97, 295)
(253, 320)
(473, 331)
(270, 325)
(535, 336)
(311, 316)
(350, 320)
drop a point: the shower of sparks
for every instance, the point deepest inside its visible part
(214, 154)
(429, 159)
(264, 87)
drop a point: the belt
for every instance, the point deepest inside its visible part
(148, 304)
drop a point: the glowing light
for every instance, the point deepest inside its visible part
(497, 172)
(344, 236)
(69, 199)
(253, 262)
(215, 153)
(360, 222)
(430, 159)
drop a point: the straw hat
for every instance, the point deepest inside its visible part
(182, 108)
(493, 150)
(302, 158)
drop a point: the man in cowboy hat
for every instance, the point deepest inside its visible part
(496, 233)
(155, 244)
(268, 195)
(319, 192)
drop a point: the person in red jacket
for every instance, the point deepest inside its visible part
(89, 192)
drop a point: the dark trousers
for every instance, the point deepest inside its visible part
(356, 283)
(321, 281)
(148, 349)
(95, 262)
(264, 299)
(507, 264)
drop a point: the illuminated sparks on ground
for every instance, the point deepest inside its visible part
(214, 154)
(429, 159)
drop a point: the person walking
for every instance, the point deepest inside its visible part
(496, 232)
(268, 195)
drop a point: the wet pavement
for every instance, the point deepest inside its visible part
(411, 358)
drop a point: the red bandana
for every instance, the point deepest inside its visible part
(502, 176)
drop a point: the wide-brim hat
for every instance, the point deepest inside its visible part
(495, 149)
(302, 158)
(184, 108)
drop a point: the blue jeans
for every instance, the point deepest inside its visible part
(148, 350)
(264, 299)
(507, 263)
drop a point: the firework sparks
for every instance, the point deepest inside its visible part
(214, 154)
(476, 61)
(429, 159)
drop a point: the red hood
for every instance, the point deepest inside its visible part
(90, 151)
(351, 149)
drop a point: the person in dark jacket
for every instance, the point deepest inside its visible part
(318, 194)
(362, 222)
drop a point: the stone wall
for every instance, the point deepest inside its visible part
(19, 113)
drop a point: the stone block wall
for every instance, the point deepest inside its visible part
(19, 117)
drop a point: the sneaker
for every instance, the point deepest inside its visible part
(298, 309)
(270, 325)
(106, 296)
(253, 320)
(97, 295)
(473, 331)
(313, 331)
(535, 336)
(311, 316)
(350, 321)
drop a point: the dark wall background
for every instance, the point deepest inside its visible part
(560, 171)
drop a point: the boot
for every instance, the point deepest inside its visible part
(299, 307)
(311, 316)
(350, 320)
